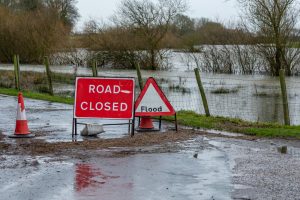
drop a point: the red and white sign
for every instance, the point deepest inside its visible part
(153, 102)
(108, 98)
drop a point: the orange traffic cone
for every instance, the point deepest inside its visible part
(146, 123)
(21, 130)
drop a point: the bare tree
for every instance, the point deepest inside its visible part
(274, 23)
(66, 10)
(150, 21)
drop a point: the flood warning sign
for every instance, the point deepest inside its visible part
(153, 102)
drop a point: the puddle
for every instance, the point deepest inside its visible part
(141, 176)
(216, 132)
(172, 176)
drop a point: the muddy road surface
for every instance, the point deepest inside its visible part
(185, 165)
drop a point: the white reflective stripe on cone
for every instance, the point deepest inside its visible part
(21, 115)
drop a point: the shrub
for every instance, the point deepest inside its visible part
(31, 34)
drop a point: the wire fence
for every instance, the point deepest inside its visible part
(252, 98)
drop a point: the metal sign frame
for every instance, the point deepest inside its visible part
(161, 94)
(131, 121)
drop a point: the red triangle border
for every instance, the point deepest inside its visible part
(152, 81)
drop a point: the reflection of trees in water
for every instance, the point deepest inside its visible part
(269, 109)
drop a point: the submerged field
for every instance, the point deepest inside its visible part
(252, 98)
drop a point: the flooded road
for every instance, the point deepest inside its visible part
(223, 169)
(50, 121)
(143, 176)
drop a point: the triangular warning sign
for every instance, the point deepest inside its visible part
(152, 101)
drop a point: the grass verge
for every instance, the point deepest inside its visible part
(273, 130)
(38, 96)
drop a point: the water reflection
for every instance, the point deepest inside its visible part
(155, 176)
(89, 177)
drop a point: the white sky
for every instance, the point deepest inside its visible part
(222, 10)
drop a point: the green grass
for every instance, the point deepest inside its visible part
(274, 130)
(190, 118)
(38, 96)
(294, 45)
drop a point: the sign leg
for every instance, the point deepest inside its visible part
(160, 123)
(75, 126)
(139, 122)
(132, 127)
(129, 125)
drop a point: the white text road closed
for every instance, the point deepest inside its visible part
(153, 102)
(106, 98)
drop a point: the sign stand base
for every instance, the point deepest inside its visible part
(159, 124)
(130, 127)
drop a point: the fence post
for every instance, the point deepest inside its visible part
(284, 97)
(48, 72)
(17, 72)
(202, 92)
(139, 75)
(94, 68)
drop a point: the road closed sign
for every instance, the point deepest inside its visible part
(107, 98)
(153, 102)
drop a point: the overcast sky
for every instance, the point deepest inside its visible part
(214, 9)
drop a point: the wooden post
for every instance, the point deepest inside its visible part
(17, 72)
(94, 68)
(202, 92)
(48, 72)
(139, 75)
(284, 97)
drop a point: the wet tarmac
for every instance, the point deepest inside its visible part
(51, 121)
(205, 167)
(141, 176)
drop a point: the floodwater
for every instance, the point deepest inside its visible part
(51, 121)
(223, 168)
(142, 176)
(249, 97)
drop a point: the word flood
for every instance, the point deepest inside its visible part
(147, 109)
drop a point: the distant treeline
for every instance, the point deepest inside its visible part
(184, 32)
(118, 44)
(34, 28)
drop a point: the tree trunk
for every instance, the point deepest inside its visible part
(288, 70)
(284, 98)
(277, 61)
